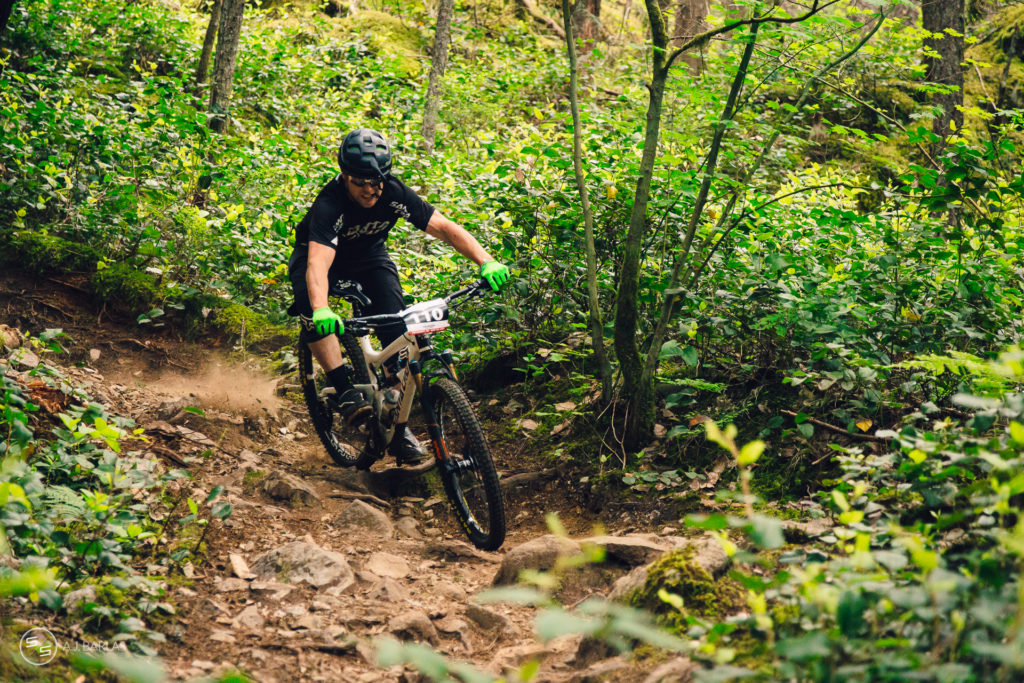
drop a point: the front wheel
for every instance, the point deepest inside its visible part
(328, 424)
(466, 467)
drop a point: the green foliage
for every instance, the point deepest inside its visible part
(77, 505)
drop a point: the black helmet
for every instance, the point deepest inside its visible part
(364, 153)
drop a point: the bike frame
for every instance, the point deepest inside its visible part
(407, 385)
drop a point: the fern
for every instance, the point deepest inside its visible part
(981, 374)
(65, 502)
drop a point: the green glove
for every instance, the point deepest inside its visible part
(327, 321)
(495, 273)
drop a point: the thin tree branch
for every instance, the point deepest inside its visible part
(702, 38)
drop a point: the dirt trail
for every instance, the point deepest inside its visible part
(315, 561)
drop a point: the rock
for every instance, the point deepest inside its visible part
(678, 670)
(359, 515)
(388, 565)
(303, 561)
(509, 658)
(309, 622)
(282, 486)
(274, 589)
(249, 619)
(451, 591)
(631, 550)
(451, 624)
(23, 358)
(84, 594)
(628, 583)
(592, 650)
(486, 618)
(408, 526)
(612, 669)
(220, 636)
(414, 626)
(805, 532)
(708, 555)
(171, 407)
(9, 337)
(538, 553)
(458, 550)
(231, 585)
(239, 567)
(389, 590)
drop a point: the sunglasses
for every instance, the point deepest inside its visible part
(363, 182)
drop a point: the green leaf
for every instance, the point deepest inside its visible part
(750, 453)
(767, 532)
(850, 613)
(518, 595)
(806, 647)
(130, 668)
(552, 623)
(216, 491)
(192, 507)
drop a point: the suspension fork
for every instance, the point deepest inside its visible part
(427, 402)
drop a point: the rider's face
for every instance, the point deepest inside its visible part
(365, 192)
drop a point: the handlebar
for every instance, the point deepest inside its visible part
(365, 324)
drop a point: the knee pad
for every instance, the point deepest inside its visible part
(308, 333)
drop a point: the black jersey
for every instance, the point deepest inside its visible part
(357, 233)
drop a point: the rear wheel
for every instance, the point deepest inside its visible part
(328, 424)
(466, 467)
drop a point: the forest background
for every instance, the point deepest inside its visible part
(799, 218)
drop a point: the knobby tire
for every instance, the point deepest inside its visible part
(326, 422)
(473, 489)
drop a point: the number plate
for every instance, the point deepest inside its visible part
(426, 317)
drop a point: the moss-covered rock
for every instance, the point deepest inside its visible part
(126, 289)
(676, 575)
(236, 320)
(39, 252)
(389, 37)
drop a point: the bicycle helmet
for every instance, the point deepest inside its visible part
(364, 153)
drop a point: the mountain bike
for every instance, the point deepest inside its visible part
(390, 379)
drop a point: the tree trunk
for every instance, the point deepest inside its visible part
(947, 68)
(228, 35)
(691, 18)
(596, 323)
(586, 16)
(5, 14)
(442, 37)
(639, 395)
(203, 68)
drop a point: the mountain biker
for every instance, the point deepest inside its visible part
(342, 236)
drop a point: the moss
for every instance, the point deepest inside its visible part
(251, 480)
(389, 36)
(39, 252)
(128, 289)
(702, 596)
(107, 594)
(238, 320)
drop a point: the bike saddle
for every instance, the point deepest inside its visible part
(350, 291)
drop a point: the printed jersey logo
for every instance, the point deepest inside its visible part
(352, 231)
(401, 209)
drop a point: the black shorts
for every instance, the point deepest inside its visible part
(378, 277)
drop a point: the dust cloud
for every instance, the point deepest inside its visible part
(224, 386)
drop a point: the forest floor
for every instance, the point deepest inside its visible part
(408, 573)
